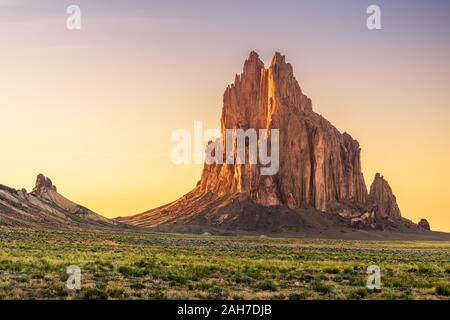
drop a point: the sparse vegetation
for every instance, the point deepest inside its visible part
(161, 266)
(268, 285)
(322, 288)
(443, 289)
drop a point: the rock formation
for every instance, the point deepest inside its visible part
(423, 223)
(383, 201)
(319, 167)
(45, 207)
(42, 184)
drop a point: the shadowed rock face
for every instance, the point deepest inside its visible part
(318, 165)
(382, 200)
(423, 223)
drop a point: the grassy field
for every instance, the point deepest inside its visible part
(160, 266)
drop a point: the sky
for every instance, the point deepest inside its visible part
(94, 108)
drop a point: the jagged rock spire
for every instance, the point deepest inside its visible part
(42, 183)
(319, 166)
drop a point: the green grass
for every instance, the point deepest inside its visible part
(322, 288)
(268, 285)
(443, 289)
(163, 266)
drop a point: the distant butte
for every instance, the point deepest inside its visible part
(44, 207)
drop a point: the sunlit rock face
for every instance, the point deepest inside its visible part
(319, 166)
